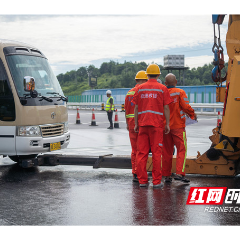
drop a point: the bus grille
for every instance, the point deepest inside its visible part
(52, 130)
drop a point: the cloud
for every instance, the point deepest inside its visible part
(194, 62)
(77, 40)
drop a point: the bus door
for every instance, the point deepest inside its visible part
(7, 115)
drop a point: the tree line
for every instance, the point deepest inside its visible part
(122, 75)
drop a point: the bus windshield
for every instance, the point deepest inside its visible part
(36, 67)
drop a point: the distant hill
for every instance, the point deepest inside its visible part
(121, 75)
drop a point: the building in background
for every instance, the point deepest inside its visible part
(175, 62)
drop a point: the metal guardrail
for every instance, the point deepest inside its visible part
(75, 105)
(96, 106)
(204, 107)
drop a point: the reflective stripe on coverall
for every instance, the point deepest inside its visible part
(129, 111)
(177, 135)
(150, 98)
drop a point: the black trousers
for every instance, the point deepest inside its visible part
(110, 115)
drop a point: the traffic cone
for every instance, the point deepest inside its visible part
(218, 120)
(78, 117)
(116, 123)
(93, 122)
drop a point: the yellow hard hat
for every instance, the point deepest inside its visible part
(153, 69)
(141, 75)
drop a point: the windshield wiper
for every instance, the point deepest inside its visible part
(61, 97)
(45, 98)
(35, 94)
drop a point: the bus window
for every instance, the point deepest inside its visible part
(7, 106)
(36, 67)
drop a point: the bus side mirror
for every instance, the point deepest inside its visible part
(29, 86)
(28, 83)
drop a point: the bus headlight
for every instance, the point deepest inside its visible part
(29, 131)
(66, 127)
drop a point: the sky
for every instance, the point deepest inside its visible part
(76, 38)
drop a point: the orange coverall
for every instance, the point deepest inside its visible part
(177, 135)
(150, 98)
(129, 113)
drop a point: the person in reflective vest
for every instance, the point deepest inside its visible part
(151, 103)
(141, 77)
(110, 108)
(177, 136)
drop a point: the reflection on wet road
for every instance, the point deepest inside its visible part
(75, 195)
(83, 196)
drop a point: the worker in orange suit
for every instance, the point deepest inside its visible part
(177, 136)
(141, 77)
(151, 103)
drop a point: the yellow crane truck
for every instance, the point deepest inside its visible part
(223, 156)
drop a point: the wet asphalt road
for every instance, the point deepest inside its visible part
(83, 196)
(97, 140)
(49, 196)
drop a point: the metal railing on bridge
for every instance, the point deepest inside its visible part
(200, 108)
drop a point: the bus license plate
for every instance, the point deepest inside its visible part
(55, 146)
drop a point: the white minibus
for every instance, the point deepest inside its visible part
(33, 111)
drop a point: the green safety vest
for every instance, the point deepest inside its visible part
(108, 104)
